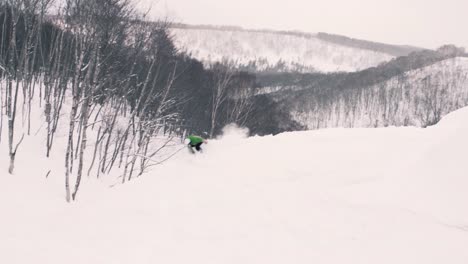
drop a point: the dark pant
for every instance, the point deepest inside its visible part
(197, 146)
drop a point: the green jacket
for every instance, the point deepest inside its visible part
(194, 140)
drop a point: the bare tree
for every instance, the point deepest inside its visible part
(432, 102)
(222, 76)
(20, 34)
(240, 100)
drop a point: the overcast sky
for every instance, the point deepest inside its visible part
(424, 23)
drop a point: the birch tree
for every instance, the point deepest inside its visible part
(222, 76)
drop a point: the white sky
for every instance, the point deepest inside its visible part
(424, 23)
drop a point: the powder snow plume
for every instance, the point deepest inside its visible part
(233, 131)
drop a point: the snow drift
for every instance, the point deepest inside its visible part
(388, 195)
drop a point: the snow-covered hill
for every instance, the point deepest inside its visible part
(263, 50)
(389, 195)
(418, 97)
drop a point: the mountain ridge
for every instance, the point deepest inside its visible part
(415, 97)
(390, 49)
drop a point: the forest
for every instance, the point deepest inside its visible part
(116, 83)
(103, 70)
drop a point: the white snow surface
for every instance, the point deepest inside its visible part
(267, 49)
(387, 195)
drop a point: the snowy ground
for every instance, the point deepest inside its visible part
(390, 195)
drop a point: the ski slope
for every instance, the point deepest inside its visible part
(389, 195)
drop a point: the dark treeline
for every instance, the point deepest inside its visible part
(122, 81)
(192, 86)
(367, 77)
(322, 86)
(380, 96)
(369, 45)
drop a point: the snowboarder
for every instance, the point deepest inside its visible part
(195, 142)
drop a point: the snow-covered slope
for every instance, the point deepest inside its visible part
(418, 97)
(263, 50)
(389, 195)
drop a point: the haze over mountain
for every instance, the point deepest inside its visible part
(260, 50)
(423, 23)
